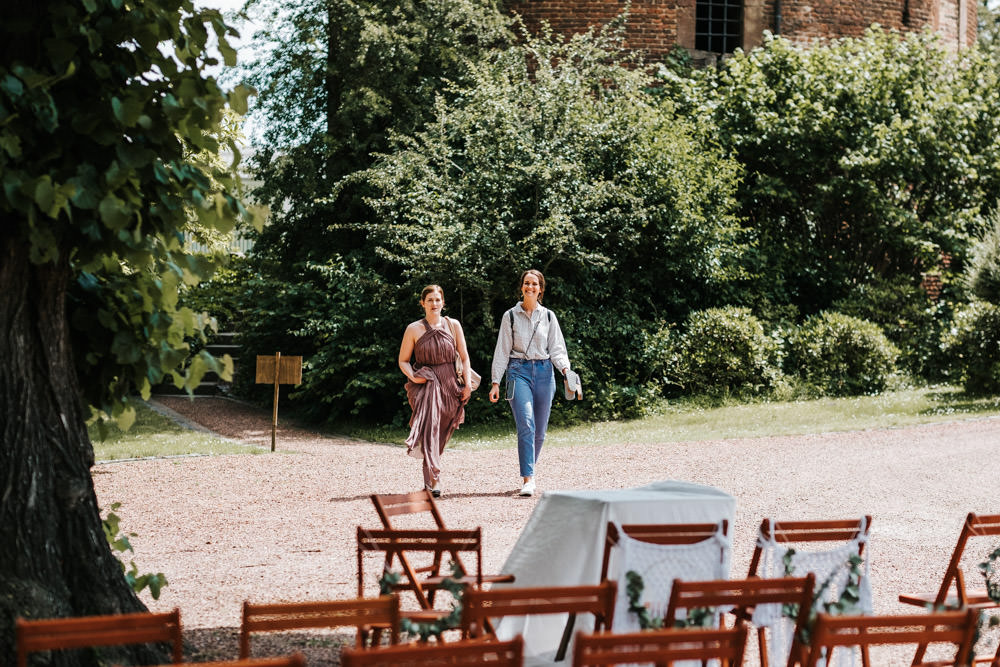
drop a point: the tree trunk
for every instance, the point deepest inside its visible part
(54, 557)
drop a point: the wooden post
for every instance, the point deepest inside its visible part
(280, 371)
(274, 417)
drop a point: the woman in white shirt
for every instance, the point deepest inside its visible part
(529, 345)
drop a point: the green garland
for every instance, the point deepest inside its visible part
(701, 617)
(449, 621)
(988, 568)
(849, 601)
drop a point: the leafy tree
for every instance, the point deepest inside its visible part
(556, 157)
(105, 119)
(988, 18)
(866, 159)
(334, 76)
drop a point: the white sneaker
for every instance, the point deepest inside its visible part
(528, 489)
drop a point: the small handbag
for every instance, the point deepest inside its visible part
(474, 377)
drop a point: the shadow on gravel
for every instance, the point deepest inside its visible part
(319, 647)
(445, 496)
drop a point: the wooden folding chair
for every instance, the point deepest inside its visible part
(805, 532)
(974, 526)
(953, 593)
(420, 505)
(479, 606)
(666, 533)
(51, 634)
(397, 544)
(741, 596)
(363, 613)
(293, 660)
(661, 647)
(947, 627)
(455, 654)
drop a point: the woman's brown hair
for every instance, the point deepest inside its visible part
(431, 288)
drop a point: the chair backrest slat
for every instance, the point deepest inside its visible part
(661, 647)
(91, 631)
(948, 627)
(827, 530)
(479, 605)
(398, 543)
(399, 504)
(659, 533)
(360, 613)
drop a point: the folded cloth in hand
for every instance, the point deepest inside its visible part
(572, 386)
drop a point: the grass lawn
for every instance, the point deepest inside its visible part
(156, 435)
(152, 434)
(689, 420)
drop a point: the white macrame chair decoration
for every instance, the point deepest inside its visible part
(659, 565)
(831, 568)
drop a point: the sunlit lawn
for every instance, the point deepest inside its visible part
(689, 421)
(156, 435)
(153, 434)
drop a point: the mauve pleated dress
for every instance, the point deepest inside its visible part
(437, 404)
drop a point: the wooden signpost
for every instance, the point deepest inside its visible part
(279, 370)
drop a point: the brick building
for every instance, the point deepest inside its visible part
(709, 28)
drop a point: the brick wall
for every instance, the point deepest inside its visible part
(657, 25)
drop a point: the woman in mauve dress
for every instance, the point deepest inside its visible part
(427, 359)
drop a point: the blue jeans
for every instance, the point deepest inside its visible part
(530, 389)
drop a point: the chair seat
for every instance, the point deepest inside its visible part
(975, 599)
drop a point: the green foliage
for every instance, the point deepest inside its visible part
(841, 355)
(983, 268)
(556, 158)
(221, 297)
(973, 346)
(722, 351)
(847, 603)
(909, 318)
(698, 617)
(633, 589)
(120, 544)
(335, 77)
(425, 630)
(865, 158)
(988, 568)
(104, 134)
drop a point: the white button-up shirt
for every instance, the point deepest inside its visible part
(534, 337)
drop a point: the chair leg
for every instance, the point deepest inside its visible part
(762, 647)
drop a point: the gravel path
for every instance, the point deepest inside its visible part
(280, 527)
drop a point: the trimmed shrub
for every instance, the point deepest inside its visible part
(973, 344)
(983, 269)
(840, 355)
(909, 318)
(723, 351)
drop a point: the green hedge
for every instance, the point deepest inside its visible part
(841, 355)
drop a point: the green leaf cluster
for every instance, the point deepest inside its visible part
(848, 602)
(107, 123)
(120, 544)
(866, 159)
